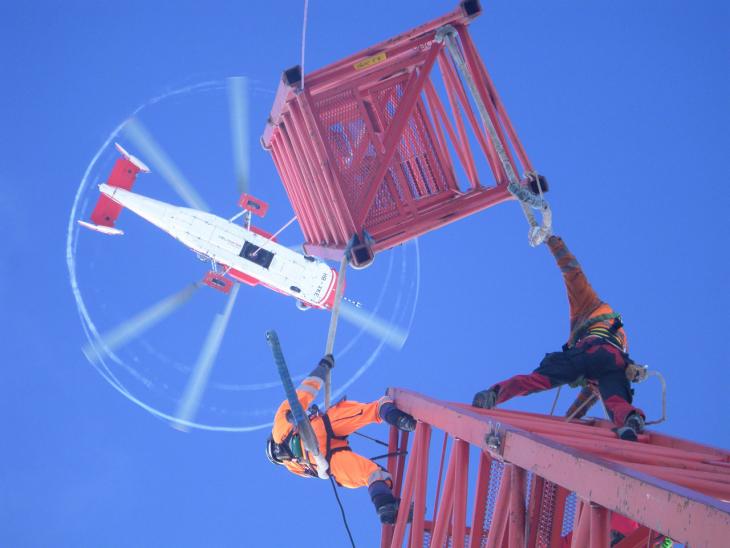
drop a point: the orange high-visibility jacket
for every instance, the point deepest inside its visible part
(348, 468)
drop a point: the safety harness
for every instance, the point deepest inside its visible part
(293, 446)
(583, 329)
(329, 451)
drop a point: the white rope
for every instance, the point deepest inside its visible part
(555, 401)
(527, 199)
(333, 327)
(581, 406)
(664, 396)
(237, 216)
(304, 36)
(276, 234)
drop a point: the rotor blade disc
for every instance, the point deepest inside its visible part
(138, 324)
(201, 372)
(238, 107)
(378, 327)
(161, 162)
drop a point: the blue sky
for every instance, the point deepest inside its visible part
(623, 106)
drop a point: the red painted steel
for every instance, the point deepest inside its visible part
(599, 527)
(218, 282)
(500, 515)
(480, 501)
(375, 143)
(638, 539)
(675, 487)
(253, 204)
(517, 508)
(123, 175)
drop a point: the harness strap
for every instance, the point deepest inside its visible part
(331, 436)
(581, 330)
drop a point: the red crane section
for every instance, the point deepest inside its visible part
(392, 142)
(537, 480)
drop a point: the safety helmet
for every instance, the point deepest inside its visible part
(273, 451)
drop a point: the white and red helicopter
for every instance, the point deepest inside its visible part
(237, 253)
(246, 254)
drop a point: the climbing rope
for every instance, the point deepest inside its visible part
(555, 401)
(664, 395)
(528, 201)
(275, 234)
(342, 510)
(333, 325)
(304, 36)
(376, 440)
(588, 401)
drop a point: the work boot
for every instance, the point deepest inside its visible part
(401, 420)
(633, 426)
(486, 399)
(386, 505)
(387, 512)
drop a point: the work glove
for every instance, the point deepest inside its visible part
(486, 399)
(324, 365)
(328, 361)
(636, 372)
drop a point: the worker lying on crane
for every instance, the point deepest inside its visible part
(596, 351)
(332, 427)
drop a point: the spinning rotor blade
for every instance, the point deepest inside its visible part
(161, 162)
(138, 324)
(238, 108)
(199, 377)
(378, 327)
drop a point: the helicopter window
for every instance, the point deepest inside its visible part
(256, 254)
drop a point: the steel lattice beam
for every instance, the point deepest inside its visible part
(564, 458)
(375, 145)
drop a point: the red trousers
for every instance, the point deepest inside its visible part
(592, 357)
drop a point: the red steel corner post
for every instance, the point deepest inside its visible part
(600, 526)
(418, 451)
(518, 478)
(419, 499)
(458, 535)
(480, 500)
(443, 518)
(500, 514)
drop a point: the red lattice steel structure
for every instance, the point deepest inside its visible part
(389, 143)
(541, 481)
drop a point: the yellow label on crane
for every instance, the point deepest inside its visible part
(370, 61)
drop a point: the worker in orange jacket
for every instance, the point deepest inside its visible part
(596, 352)
(284, 446)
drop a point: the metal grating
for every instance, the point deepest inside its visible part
(495, 477)
(569, 515)
(418, 161)
(696, 518)
(384, 206)
(547, 509)
(349, 142)
(415, 162)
